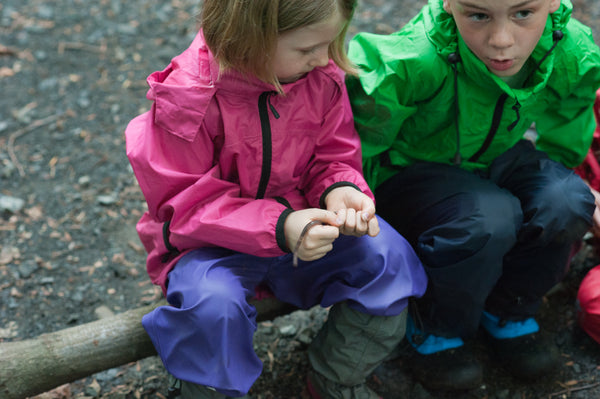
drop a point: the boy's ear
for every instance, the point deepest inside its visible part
(554, 5)
(446, 5)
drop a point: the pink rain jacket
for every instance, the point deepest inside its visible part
(223, 160)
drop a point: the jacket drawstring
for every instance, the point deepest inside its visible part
(557, 35)
(453, 59)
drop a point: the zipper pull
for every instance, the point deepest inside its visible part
(515, 108)
(272, 108)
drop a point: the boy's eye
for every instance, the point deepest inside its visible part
(478, 16)
(523, 14)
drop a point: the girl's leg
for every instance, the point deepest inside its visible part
(205, 336)
(557, 208)
(461, 226)
(375, 275)
(368, 281)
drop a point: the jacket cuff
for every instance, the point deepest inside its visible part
(333, 186)
(279, 232)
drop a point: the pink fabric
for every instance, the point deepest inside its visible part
(588, 299)
(198, 154)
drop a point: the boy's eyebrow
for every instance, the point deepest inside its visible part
(471, 5)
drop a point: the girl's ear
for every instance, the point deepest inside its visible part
(554, 5)
(446, 5)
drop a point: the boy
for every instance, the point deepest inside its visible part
(471, 117)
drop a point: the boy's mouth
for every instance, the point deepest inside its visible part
(501, 65)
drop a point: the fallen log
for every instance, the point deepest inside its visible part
(37, 365)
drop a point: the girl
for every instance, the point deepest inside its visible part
(249, 161)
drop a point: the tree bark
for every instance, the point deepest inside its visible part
(34, 366)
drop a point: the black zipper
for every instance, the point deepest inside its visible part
(493, 129)
(263, 110)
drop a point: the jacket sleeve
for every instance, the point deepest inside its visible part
(337, 156)
(395, 73)
(183, 186)
(566, 129)
(377, 104)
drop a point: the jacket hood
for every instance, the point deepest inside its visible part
(442, 33)
(184, 90)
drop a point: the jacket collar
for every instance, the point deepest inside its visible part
(443, 34)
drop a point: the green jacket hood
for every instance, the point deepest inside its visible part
(423, 95)
(441, 31)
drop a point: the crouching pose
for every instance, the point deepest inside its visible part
(471, 118)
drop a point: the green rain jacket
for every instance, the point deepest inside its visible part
(412, 103)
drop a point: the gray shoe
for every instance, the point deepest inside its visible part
(320, 387)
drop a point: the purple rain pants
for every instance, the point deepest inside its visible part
(206, 336)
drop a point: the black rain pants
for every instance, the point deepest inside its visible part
(496, 241)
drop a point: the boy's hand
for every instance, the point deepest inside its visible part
(355, 209)
(317, 239)
(596, 218)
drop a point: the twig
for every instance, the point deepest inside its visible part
(11, 140)
(308, 226)
(569, 390)
(62, 46)
(4, 50)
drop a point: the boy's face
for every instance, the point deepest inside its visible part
(501, 33)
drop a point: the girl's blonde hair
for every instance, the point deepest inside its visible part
(242, 33)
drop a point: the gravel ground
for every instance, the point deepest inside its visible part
(72, 74)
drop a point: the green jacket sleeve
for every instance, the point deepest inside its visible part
(566, 129)
(375, 97)
(383, 96)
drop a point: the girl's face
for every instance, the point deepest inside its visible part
(501, 33)
(300, 50)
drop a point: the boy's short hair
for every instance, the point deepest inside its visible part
(242, 33)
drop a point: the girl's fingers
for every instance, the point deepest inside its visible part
(373, 229)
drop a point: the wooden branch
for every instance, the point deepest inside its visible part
(34, 366)
(11, 140)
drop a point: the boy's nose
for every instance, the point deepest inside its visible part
(501, 37)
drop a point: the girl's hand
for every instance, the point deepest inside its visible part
(355, 209)
(317, 239)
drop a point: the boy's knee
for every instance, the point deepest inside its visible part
(480, 218)
(561, 205)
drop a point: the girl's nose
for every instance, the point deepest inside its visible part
(321, 58)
